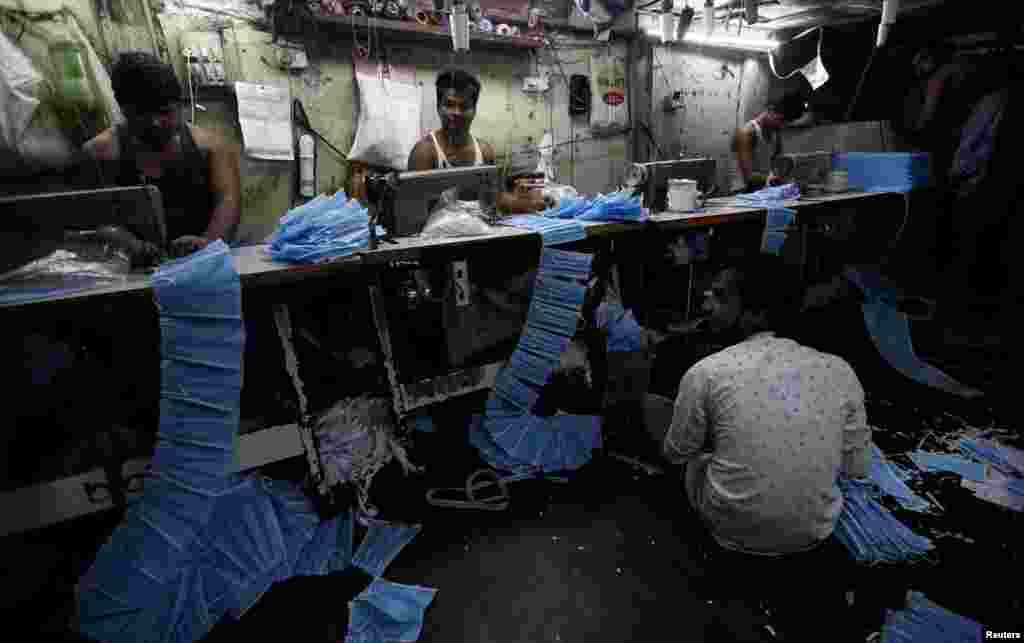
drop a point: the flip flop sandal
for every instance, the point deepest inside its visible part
(467, 498)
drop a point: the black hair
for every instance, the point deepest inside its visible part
(767, 284)
(145, 82)
(461, 81)
(790, 102)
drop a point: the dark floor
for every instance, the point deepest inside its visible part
(606, 556)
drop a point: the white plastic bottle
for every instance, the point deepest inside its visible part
(307, 166)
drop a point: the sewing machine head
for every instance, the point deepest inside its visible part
(37, 222)
(809, 170)
(405, 198)
(651, 179)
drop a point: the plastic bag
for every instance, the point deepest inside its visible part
(454, 218)
(389, 115)
(18, 83)
(557, 193)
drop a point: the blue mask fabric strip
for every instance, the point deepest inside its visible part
(891, 481)
(1006, 460)
(382, 543)
(947, 463)
(624, 333)
(890, 332)
(202, 542)
(926, 621)
(509, 437)
(134, 589)
(553, 232)
(778, 223)
(871, 533)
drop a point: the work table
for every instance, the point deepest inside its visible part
(256, 269)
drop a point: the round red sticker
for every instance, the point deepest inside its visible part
(615, 97)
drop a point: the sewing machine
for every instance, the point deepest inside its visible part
(37, 222)
(808, 170)
(401, 201)
(651, 179)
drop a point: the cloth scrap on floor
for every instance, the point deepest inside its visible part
(890, 333)
(1005, 492)
(949, 463)
(891, 480)
(926, 622)
(871, 533)
(1006, 459)
(388, 611)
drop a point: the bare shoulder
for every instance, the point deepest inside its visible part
(102, 147)
(487, 150)
(209, 139)
(422, 156)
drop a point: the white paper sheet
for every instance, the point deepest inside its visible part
(265, 115)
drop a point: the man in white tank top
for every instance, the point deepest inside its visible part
(453, 146)
(759, 141)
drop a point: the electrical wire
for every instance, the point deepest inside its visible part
(191, 90)
(300, 117)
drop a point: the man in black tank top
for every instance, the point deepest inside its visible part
(196, 170)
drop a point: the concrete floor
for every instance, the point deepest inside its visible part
(605, 557)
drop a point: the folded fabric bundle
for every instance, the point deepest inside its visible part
(552, 231)
(885, 171)
(1006, 459)
(925, 622)
(949, 463)
(890, 480)
(615, 206)
(771, 195)
(324, 229)
(568, 208)
(871, 533)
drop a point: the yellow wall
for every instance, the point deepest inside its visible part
(506, 117)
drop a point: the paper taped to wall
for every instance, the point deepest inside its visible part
(265, 115)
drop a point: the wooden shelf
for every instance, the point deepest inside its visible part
(414, 30)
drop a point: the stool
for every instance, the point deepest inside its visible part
(803, 593)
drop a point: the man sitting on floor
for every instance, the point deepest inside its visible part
(782, 421)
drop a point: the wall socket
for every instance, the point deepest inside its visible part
(535, 84)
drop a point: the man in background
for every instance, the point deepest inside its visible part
(452, 145)
(196, 169)
(758, 142)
